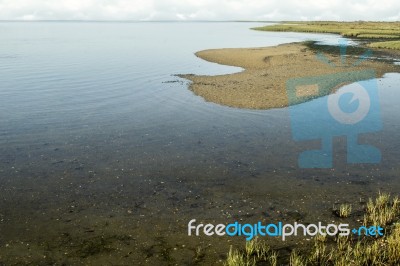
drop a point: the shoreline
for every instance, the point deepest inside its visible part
(382, 35)
(262, 83)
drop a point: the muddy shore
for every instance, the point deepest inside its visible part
(262, 83)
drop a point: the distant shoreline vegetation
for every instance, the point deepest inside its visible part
(384, 35)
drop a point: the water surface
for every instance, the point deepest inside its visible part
(105, 153)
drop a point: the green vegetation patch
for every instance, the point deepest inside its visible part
(386, 31)
(386, 45)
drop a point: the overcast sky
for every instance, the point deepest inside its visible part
(200, 10)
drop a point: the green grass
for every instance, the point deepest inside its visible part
(341, 251)
(384, 31)
(386, 45)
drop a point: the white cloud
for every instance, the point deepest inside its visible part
(200, 9)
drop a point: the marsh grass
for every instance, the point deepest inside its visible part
(360, 29)
(386, 45)
(384, 31)
(296, 259)
(344, 210)
(255, 251)
(382, 211)
(340, 250)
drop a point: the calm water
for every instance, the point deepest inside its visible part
(99, 138)
(69, 77)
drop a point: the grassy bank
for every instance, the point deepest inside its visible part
(378, 34)
(346, 250)
(386, 45)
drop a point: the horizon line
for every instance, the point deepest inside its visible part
(139, 21)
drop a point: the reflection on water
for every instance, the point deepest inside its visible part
(105, 153)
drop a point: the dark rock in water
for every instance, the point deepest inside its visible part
(295, 215)
(93, 246)
(359, 182)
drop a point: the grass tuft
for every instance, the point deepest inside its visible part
(381, 211)
(344, 210)
(255, 251)
(296, 259)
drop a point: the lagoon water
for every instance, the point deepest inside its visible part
(63, 77)
(98, 135)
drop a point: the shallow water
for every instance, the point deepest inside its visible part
(98, 138)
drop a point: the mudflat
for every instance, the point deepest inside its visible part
(262, 83)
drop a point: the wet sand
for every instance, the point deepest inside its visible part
(262, 83)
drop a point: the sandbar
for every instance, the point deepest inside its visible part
(262, 83)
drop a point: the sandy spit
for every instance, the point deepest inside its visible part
(262, 85)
